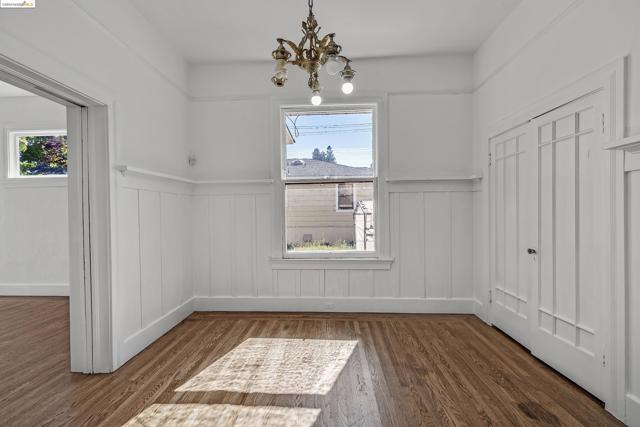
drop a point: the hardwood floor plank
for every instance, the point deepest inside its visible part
(404, 370)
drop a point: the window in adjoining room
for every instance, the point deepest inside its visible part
(328, 169)
(37, 153)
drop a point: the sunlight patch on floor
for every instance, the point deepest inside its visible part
(276, 366)
(191, 414)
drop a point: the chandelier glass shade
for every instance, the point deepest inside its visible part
(311, 54)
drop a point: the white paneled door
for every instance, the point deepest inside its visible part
(511, 232)
(569, 204)
(549, 216)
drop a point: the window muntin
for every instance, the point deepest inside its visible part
(38, 153)
(329, 182)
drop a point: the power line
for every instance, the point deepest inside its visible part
(329, 132)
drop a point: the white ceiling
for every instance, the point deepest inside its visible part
(10, 90)
(210, 31)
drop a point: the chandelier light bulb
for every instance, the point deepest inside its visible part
(334, 64)
(347, 75)
(281, 64)
(280, 73)
(316, 99)
(281, 69)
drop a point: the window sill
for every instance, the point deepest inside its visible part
(331, 263)
(34, 182)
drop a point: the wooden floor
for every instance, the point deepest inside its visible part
(405, 370)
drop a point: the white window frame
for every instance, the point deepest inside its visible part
(337, 108)
(13, 152)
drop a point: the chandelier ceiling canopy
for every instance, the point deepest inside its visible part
(311, 54)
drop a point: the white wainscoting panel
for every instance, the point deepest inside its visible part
(223, 245)
(432, 242)
(201, 260)
(155, 223)
(129, 262)
(149, 217)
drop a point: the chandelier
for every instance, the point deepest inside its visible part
(311, 54)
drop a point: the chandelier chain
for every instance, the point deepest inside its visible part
(310, 2)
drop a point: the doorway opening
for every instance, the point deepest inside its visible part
(55, 214)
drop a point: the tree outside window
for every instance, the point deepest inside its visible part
(40, 153)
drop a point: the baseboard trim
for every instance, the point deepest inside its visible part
(346, 304)
(35, 289)
(140, 340)
(478, 310)
(633, 410)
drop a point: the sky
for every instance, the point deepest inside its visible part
(349, 135)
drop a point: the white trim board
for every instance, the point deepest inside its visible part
(35, 289)
(632, 410)
(478, 310)
(331, 263)
(630, 144)
(140, 340)
(336, 305)
(470, 177)
(126, 170)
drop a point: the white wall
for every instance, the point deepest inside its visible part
(543, 46)
(33, 212)
(108, 51)
(427, 112)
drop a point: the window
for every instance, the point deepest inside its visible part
(37, 153)
(329, 179)
(345, 196)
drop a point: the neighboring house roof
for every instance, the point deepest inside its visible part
(319, 168)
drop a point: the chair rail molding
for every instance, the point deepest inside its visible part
(132, 170)
(629, 144)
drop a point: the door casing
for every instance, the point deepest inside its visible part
(91, 337)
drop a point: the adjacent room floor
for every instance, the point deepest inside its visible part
(245, 369)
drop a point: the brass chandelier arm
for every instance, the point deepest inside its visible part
(310, 54)
(299, 53)
(296, 50)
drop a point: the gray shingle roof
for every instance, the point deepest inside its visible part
(319, 168)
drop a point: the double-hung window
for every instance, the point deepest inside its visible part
(329, 174)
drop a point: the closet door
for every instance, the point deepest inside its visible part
(511, 232)
(570, 176)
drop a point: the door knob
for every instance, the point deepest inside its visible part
(531, 251)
